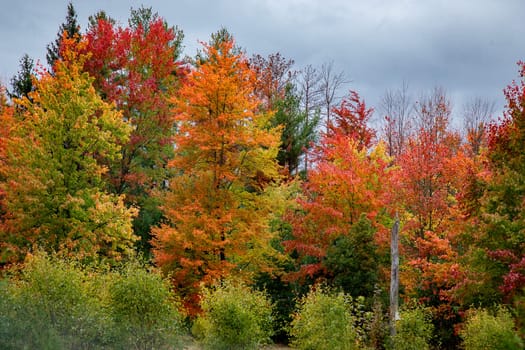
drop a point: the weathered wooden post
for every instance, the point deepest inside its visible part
(394, 276)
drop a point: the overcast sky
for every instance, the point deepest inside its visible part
(469, 47)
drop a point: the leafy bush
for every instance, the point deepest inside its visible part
(413, 330)
(324, 321)
(50, 307)
(234, 317)
(487, 331)
(57, 304)
(143, 309)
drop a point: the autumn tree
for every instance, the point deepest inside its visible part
(427, 186)
(71, 27)
(6, 126)
(54, 187)
(273, 75)
(351, 118)
(344, 190)
(432, 173)
(500, 246)
(425, 178)
(137, 68)
(217, 206)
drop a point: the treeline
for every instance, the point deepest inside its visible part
(224, 165)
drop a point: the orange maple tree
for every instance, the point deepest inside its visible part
(217, 207)
(351, 118)
(427, 188)
(273, 74)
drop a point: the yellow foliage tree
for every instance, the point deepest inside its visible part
(53, 177)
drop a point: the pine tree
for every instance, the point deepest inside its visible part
(71, 27)
(298, 133)
(22, 83)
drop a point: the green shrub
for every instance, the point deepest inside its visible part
(143, 309)
(234, 317)
(49, 307)
(22, 326)
(324, 321)
(413, 330)
(57, 304)
(487, 331)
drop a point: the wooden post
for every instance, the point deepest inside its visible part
(394, 276)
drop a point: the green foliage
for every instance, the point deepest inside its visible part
(54, 188)
(490, 331)
(57, 304)
(51, 307)
(352, 260)
(324, 321)
(235, 317)
(413, 330)
(22, 83)
(283, 295)
(298, 132)
(149, 216)
(282, 291)
(143, 309)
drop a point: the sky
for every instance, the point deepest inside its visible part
(468, 47)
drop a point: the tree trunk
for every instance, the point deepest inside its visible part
(394, 277)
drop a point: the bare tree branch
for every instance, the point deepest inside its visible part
(396, 106)
(477, 113)
(331, 82)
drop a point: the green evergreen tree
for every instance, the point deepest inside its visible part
(22, 83)
(144, 17)
(352, 260)
(298, 132)
(71, 27)
(100, 15)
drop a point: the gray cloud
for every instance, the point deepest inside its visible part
(469, 47)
